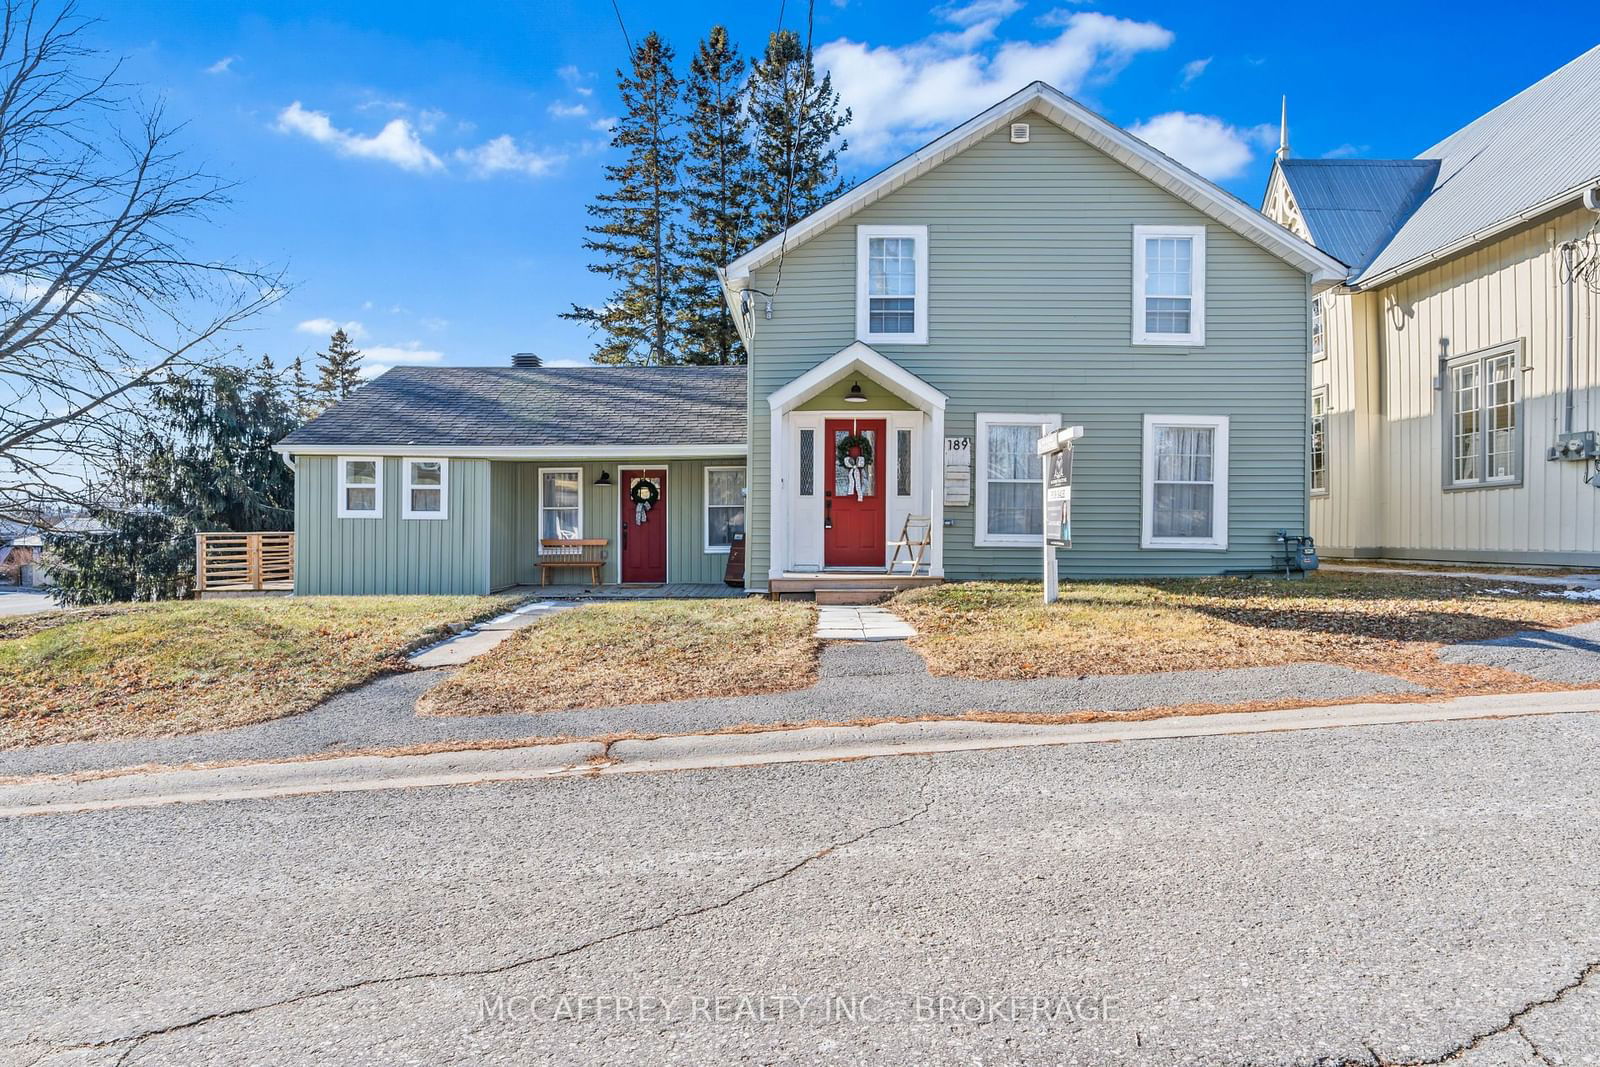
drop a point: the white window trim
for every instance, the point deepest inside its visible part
(377, 496)
(1319, 337)
(706, 505)
(539, 517)
(919, 335)
(1218, 540)
(1320, 392)
(405, 485)
(981, 537)
(1196, 337)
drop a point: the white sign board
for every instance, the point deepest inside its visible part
(957, 472)
(1055, 449)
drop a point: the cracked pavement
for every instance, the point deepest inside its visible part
(1405, 894)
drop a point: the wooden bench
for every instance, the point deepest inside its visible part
(588, 553)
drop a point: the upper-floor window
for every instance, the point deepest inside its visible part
(360, 487)
(1483, 429)
(426, 489)
(1169, 285)
(892, 284)
(1318, 334)
(1319, 441)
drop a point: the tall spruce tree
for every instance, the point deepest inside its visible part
(339, 369)
(302, 394)
(719, 227)
(796, 118)
(635, 230)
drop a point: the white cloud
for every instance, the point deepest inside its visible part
(324, 327)
(396, 143)
(410, 352)
(901, 95)
(568, 111)
(1193, 69)
(222, 66)
(503, 155)
(576, 80)
(1205, 143)
(1345, 151)
(603, 125)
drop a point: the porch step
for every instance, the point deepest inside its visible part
(811, 583)
(860, 594)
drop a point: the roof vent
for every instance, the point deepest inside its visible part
(1019, 133)
(526, 359)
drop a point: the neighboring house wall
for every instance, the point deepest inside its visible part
(1030, 311)
(390, 554)
(1387, 419)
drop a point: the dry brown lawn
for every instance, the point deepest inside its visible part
(1390, 624)
(640, 652)
(177, 667)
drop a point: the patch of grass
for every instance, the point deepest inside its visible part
(177, 667)
(1390, 624)
(637, 652)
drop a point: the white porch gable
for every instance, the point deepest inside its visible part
(793, 514)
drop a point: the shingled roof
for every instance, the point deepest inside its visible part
(441, 408)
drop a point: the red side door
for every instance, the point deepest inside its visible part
(644, 531)
(853, 533)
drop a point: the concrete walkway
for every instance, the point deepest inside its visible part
(701, 752)
(869, 622)
(476, 640)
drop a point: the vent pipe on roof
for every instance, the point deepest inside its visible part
(526, 360)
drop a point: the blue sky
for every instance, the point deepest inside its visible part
(422, 170)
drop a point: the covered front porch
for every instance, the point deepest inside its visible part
(857, 454)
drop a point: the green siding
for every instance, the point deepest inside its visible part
(391, 554)
(1030, 273)
(879, 397)
(504, 509)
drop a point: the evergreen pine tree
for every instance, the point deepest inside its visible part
(302, 397)
(796, 119)
(339, 369)
(634, 232)
(719, 227)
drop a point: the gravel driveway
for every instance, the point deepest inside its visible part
(1338, 897)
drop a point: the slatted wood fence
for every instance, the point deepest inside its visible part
(243, 562)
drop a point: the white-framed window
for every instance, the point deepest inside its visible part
(561, 504)
(360, 487)
(892, 284)
(1010, 475)
(1185, 476)
(1319, 441)
(1319, 341)
(1483, 418)
(425, 485)
(724, 507)
(1169, 285)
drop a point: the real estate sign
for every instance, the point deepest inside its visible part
(1055, 449)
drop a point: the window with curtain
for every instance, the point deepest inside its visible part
(1319, 441)
(1485, 419)
(1010, 476)
(561, 504)
(724, 506)
(360, 487)
(425, 488)
(1185, 482)
(1317, 337)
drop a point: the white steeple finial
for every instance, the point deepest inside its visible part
(1283, 130)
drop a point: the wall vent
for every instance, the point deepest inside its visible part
(1019, 133)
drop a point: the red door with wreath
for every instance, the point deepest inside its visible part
(853, 508)
(644, 526)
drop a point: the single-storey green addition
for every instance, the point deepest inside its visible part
(908, 343)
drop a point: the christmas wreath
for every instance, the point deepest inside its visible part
(852, 443)
(644, 492)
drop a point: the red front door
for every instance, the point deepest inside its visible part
(644, 529)
(853, 515)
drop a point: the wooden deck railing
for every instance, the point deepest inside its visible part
(243, 562)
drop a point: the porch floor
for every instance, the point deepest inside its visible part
(662, 591)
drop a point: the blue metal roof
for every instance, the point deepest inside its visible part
(1354, 206)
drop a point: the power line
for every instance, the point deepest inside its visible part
(794, 154)
(625, 39)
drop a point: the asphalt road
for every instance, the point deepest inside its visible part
(1390, 894)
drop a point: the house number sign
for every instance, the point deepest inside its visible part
(957, 472)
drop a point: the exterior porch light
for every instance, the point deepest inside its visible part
(604, 479)
(855, 395)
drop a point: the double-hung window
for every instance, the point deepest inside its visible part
(426, 490)
(1010, 476)
(1169, 285)
(360, 487)
(1319, 441)
(1319, 338)
(561, 504)
(892, 284)
(1483, 418)
(724, 507)
(1185, 482)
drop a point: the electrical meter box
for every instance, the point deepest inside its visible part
(1584, 444)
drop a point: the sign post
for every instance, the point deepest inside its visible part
(1055, 450)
